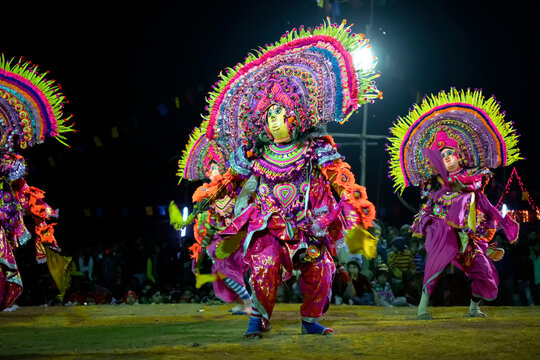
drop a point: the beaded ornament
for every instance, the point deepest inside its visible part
(311, 73)
(31, 107)
(199, 153)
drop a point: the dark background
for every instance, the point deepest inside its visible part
(124, 67)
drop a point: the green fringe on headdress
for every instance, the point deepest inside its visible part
(49, 88)
(475, 98)
(342, 33)
(195, 135)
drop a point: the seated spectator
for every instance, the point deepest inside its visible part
(418, 256)
(535, 259)
(359, 290)
(340, 283)
(385, 296)
(130, 298)
(85, 262)
(400, 264)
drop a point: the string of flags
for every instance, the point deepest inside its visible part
(523, 215)
(101, 140)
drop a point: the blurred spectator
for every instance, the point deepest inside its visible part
(400, 265)
(391, 233)
(359, 290)
(523, 273)
(110, 259)
(505, 269)
(419, 256)
(385, 295)
(85, 262)
(535, 258)
(136, 258)
(130, 298)
(340, 283)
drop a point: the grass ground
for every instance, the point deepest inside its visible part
(193, 331)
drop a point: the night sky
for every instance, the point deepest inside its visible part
(124, 67)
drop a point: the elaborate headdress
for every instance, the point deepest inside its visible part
(198, 155)
(460, 119)
(442, 140)
(30, 106)
(310, 72)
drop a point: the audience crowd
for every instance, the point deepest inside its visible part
(146, 272)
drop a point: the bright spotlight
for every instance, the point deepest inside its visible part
(184, 217)
(363, 58)
(504, 210)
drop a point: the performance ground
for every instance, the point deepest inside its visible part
(194, 331)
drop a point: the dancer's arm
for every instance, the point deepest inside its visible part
(340, 177)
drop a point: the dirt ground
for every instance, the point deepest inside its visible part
(194, 331)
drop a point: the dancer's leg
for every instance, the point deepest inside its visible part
(315, 284)
(441, 248)
(264, 257)
(243, 294)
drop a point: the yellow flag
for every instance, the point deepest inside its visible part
(360, 241)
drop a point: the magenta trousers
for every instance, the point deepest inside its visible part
(442, 249)
(271, 264)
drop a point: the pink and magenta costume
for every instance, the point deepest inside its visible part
(457, 221)
(290, 217)
(30, 111)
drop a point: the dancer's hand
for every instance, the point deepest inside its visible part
(457, 186)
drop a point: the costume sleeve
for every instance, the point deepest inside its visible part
(31, 200)
(475, 179)
(199, 233)
(338, 173)
(240, 168)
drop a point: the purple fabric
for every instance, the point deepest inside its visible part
(442, 249)
(10, 279)
(457, 211)
(232, 267)
(509, 226)
(436, 161)
(442, 237)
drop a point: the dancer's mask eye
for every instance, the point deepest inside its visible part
(447, 152)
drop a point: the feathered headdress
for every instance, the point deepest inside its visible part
(462, 118)
(30, 106)
(313, 71)
(198, 154)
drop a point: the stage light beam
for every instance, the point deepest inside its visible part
(184, 217)
(363, 59)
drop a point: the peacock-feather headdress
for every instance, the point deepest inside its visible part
(314, 72)
(31, 106)
(475, 124)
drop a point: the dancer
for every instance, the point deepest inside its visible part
(30, 111)
(271, 111)
(206, 159)
(446, 146)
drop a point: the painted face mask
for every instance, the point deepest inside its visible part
(277, 124)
